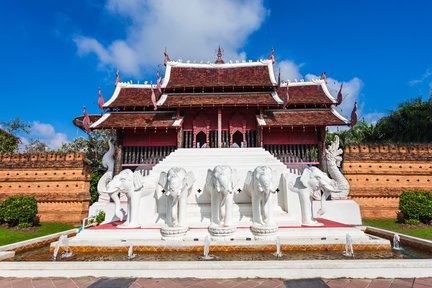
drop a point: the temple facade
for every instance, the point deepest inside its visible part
(218, 105)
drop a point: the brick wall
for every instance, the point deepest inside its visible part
(379, 173)
(60, 183)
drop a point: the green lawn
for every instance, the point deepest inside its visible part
(8, 236)
(391, 225)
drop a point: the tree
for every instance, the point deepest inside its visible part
(410, 123)
(35, 146)
(79, 144)
(8, 141)
(361, 133)
(94, 147)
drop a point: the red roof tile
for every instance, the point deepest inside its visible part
(305, 94)
(181, 77)
(137, 120)
(241, 99)
(322, 117)
(132, 97)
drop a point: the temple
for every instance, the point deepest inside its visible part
(218, 105)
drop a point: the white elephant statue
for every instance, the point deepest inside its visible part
(177, 184)
(135, 186)
(260, 184)
(312, 179)
(220, 181)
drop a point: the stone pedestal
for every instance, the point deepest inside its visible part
(173, 233)
(264, 232)
(221, 232)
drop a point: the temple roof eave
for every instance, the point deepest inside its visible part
(301, 118)
(157, 119)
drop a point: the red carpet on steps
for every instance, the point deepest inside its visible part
(327, 224)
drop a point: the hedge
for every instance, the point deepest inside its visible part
(416, 206)
(20, 210)
(1, 213)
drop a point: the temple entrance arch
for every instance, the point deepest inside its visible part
(201, 139)
(237, 124)
(237, 139)
(201, 124)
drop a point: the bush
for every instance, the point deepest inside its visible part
(100, 217)
(412, 221)
(94, 179)
(416, 205)
(1, 213)
(20, 210)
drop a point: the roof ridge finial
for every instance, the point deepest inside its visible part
(219, 59)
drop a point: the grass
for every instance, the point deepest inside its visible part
(8, 236)
(421, 232)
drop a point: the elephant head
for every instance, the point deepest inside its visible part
(316, 179)
(222, 179)
(135, 186)
(221, 182)
(260, 184)
(177, 184)
(313, 179)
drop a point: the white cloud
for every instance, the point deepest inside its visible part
(289, 70)
(373, 117)
(46, 133)
(192, 30)
(42, 129)
(427, 74)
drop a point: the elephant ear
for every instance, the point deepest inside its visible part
(248, 183)
(307, 173)
(234, 177)
(189, 179)
(163, 179)
(276, 176)
(138, 180)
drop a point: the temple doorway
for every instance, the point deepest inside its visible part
(201, 139)
(237, 140)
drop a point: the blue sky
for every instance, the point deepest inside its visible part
(55, 54)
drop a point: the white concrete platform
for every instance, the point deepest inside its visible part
(242, 237)
(224, 269)
(342, 211)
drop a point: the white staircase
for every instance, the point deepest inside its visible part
(243, 160)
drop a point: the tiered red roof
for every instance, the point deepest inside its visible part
(218, 75)
(135, 120)
(245, 84)
(131, 97)
(228, 99)
(300, 117)
(306, 93)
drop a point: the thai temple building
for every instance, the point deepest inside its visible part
(218, 105)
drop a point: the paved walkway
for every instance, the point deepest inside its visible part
(208, 283)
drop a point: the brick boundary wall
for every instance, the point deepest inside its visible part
(60, 182)
(379, 173)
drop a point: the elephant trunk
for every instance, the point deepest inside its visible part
(110, 191)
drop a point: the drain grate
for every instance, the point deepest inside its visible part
(113, 283)
(306, 283)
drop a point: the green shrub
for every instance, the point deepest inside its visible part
(416, 205)
(1, 213)
(20, 210)
(94, 179)
(100, 217)
(412, 221)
